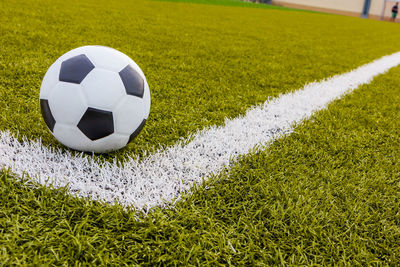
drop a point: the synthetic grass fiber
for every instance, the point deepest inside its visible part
(203, 62)
(327, 194)
(237, 3)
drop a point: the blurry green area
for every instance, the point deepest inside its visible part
(327, 194)
(238, 3)
(204, 63)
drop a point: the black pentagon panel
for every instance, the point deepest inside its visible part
(96, 123)
(134, 84)
(137, 131)
(46, 113)
(75, 69)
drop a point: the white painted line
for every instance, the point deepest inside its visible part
(168, 173)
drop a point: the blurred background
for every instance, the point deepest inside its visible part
(374, 9)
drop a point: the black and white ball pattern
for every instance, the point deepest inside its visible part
(95, 99)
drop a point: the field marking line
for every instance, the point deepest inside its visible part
(166, 174)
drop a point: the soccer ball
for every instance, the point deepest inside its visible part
(94, 99)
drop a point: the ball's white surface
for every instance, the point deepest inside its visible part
(101, 89)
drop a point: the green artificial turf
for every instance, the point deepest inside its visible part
(326, 194)
(204, 63)
(238, 3)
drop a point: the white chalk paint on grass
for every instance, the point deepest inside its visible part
(166, 174)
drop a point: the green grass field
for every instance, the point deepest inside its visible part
(217, 61)
(236, 3)
(326, 195)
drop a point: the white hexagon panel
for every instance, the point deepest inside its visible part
(67, 103)
(103, 88)
(126, 121)
(95, 99)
